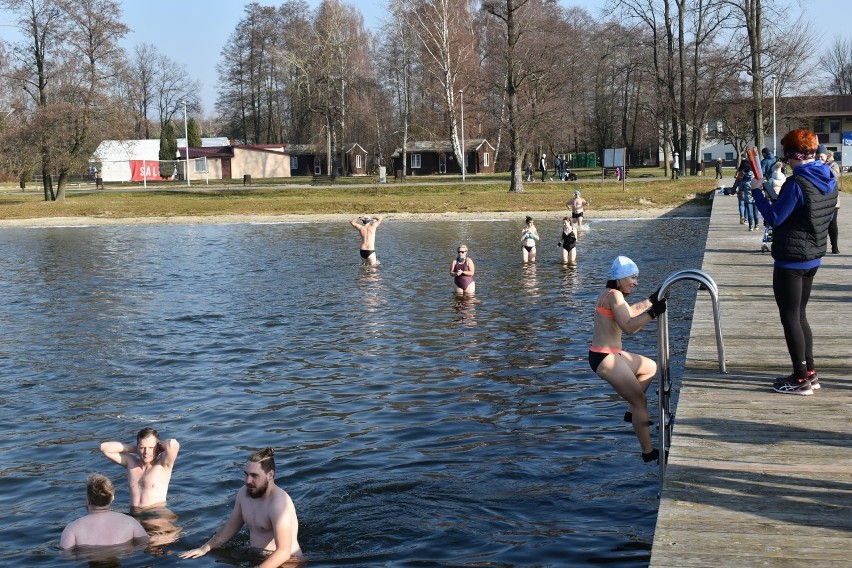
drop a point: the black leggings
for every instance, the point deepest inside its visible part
(832, 232)
(792, 289)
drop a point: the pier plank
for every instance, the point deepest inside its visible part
(754, 477)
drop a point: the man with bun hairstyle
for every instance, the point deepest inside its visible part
(799, 221)
(629, 374)
(101, 526)
(266, 509)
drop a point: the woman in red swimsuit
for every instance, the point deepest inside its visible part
(629, 374)
(463, 269)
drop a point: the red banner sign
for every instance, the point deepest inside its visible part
(140, 170)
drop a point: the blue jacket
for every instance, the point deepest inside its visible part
(794, 209)
(766, 165)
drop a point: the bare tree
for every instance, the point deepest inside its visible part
(399, 56)
(837, 62)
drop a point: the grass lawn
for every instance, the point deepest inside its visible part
(427, 194)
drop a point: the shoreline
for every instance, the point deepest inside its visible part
(591, 214)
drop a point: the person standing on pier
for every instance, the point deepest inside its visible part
(800, 219)
(629, 374)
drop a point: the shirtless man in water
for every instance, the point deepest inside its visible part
(266, 509)
(101, 526)
(367, 225)
(576, 204)
(149, 467)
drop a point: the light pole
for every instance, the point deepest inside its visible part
(774, 135)
(463, 151)
(186, 141)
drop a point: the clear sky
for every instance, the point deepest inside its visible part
(197, 30)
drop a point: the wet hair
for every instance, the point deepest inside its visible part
(266, 459)
(529, 219)
(146, 432)
(801, 140)
(612, 284)
(99, 490)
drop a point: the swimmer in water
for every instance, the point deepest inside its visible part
(568, 242)
(577, 203)
(149, 466)
(366, 225)
(529, 235)
(266, 509)
(629, 374)
(101, 526)
(463, 269)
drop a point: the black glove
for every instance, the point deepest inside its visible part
(655, 297)
(657, 308)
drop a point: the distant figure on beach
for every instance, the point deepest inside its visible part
(718, 168)
(367, 225)
(568, 242)
(267, 510)
(529, 235)
(149, 466)
(577, 205)
(542, 165)
(463, 269)
(630, 375)
(101, 526)
(530, 172)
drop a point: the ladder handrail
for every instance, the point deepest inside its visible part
(665, 381)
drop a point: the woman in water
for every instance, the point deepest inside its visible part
(529, 235)
(568, 242)
(462, 268)
(629, 374)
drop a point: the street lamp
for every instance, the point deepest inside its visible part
(186, 141)
(774, 135)
(463, 152)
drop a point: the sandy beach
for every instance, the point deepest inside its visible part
(591, 214)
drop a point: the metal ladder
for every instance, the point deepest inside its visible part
(666, 418)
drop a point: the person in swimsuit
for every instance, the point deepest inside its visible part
(568, 242)
(576, 204)
(367, 225)
(149, 466)
(629, 374)
(462, 268)
(101, 526)
(529, 235)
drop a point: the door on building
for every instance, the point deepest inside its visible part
(226, 168)
(442, 163)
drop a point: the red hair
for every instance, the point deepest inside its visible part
(800, 140)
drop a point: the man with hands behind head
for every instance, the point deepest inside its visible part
(149, 466)
(266, 509)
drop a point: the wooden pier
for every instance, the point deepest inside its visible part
(754, 477)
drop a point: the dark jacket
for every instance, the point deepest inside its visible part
(801, 215)
(766, 165)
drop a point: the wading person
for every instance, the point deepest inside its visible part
(529, 235)
(463, 269)
(149, 466)
(568, 242)
(577, 204)
(101, 526)
(266, 509)
(629, 374)
(799, 219)
(366, 225)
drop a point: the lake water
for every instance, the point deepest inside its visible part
(411, 428)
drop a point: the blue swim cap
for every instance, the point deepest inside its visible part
(622, 267)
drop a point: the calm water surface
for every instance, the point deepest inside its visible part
(412, 428)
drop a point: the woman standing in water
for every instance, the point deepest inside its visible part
(462, 268)
(529, 235)
(629, 374)
(568, 242)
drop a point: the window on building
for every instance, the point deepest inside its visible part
(819, 125)
(729, 156)
(485, 159)
(200, 165)
(708, 157)
(294, 163)
(358, 161)
(415, 161)
(834, 125)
